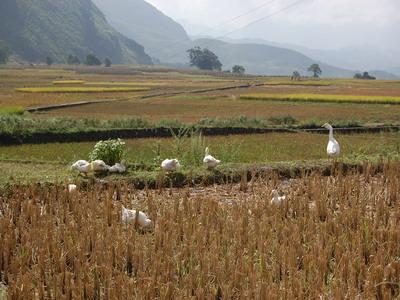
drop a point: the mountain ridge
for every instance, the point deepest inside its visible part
(35, 29)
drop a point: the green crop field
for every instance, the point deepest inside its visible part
(232, 150)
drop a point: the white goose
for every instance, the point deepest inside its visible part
(129, 216)
(82, 166)
(170, 165)
(118, 168)
(333, 148)
(209, 161)
(99, 166)
(276, 199)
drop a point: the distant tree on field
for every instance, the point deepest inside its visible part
(73, 60)
(204, 59)
(4, 52)
(364, 75)
(49, 60)
(239, 70)
(315, 69)
(92, 60)
(367, 76)
(296, 76)
(107, 62)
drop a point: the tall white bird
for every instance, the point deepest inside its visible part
(129, 216)
(170, 165)
(82, 166)
(333, 148)
(99, 166)
(209, 161)
(118, 168)
(276, 199)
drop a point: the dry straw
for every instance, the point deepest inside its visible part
(335, 237)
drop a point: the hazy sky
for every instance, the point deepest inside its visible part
(314, 23)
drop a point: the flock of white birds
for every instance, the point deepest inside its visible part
(172, 165)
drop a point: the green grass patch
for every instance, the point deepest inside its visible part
(81, 89)
(236, 149)
(68, 82)
(323, 98)
(12, 110)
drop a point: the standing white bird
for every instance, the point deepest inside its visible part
(118, 168)
(276, 199)
(129, 216)
(82, 166)
(209, 161)
(99, 166)
(170, 165)
(333, 148)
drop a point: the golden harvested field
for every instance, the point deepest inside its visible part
(190, 107)
(341, 241)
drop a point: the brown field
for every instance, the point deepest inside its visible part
(190, 107)
(341, 241)
(12, 79)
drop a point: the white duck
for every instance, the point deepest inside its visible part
(82, 166)
(118, 168)
(72, 188)
(209, 161)
(129, 216)
(99, 166)
(170, 165)
(333, 148)
(276, 199)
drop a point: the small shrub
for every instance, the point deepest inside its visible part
(111, 151)
(283, 120)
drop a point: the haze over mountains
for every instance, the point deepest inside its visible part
(132, 31)
(167, 41)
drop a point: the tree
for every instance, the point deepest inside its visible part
(49, 60)
(92, 60)
(4, 52)
(204, 59)
(296, 76)
(73, 60)
(314, 68)
(368, 77)
(239, 70)
(364, 75)
(107, 62)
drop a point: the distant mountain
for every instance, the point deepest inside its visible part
(141, 21)
(395, 71)
(35, 29)
(365, 58)
(379, 74)
(266, 60)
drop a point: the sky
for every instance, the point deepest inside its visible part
(321, 24)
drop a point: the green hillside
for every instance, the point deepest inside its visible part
(35, 29)
(144, 23)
